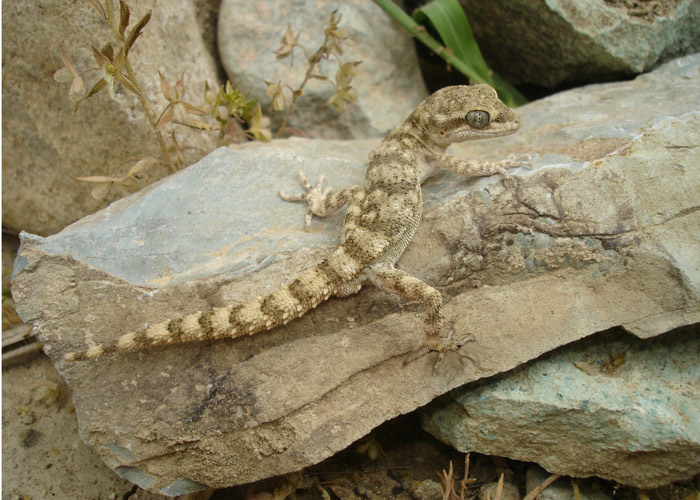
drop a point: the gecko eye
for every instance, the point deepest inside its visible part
(478, 119)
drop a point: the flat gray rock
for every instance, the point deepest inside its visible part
(601, 233)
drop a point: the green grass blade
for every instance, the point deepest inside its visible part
(462, 52)
(450, 22)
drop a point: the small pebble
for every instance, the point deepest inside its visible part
(510, 491)
(427, 490)
(28, 438)
(28, 419)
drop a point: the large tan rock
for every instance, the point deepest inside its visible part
(46, 145)
(601, 234)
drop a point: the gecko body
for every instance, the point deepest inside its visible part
(380, 221)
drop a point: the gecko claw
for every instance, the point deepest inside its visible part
(441, 345)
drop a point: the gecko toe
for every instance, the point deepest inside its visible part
(441, 345)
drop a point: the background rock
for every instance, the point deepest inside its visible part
(612, 406)
(549, 42)
(46, 144)
(388, 82)
(561, 489)
(601, 234)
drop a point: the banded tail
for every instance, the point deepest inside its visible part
(264, 313)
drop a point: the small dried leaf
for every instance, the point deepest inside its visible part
(123, 17)
(63, 75)
(165, 87)
(279, 102)
(209, 94)
(108, 51)
(109, 9)
(100, 57)
(99, 8)
(165, 117)
(96, 88)
(346, 73)
(141, 165)
(127, 83)
(136, 32)
(259, 125)
(77, 89)
(98, 178)
(100, 190)
(67, 62)
(119, 61)
(198, 124)
(180, 87)
(109, 78)
(341, 98)
(274, 90)
(288, 43)
(336, 37)
(318, 77)
(193, 110)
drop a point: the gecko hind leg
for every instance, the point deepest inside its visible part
(440, 345)
(391, 280)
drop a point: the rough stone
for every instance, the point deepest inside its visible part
(388, 82)
(560, 489)
(36, 411)
(600, 234)
(612, 406)
(47, 145)
(509, 491)
(548, 42)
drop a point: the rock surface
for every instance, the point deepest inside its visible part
(601, 234)
(612, 406)
(560, 489)
(42, 455)
(46, 144)
(388, 82)
(549, 42)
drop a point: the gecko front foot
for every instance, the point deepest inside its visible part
(441, 345)
(314, 196)
(515, 161)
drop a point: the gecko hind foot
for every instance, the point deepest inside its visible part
(441, 345)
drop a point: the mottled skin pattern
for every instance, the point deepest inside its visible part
(381, 219)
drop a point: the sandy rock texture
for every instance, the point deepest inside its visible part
(43, 456)
(46, 144)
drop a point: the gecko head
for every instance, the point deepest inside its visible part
(461, 113)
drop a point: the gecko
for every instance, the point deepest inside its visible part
(380, 221)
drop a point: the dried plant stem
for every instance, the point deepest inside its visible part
(541, 487)
(149, 115)
(119, 37)
(313, 60)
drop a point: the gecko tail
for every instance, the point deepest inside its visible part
(263, 313)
